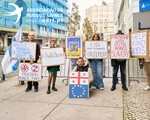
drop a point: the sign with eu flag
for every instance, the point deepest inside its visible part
(144, 5)
(78, 85)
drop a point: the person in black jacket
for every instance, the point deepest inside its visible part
(116, 63)
(31, 37)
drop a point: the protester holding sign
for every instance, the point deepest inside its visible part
(116, 63)
(52, 70)
(31, 37)
(83, 67)
(97, 69)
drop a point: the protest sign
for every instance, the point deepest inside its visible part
(96, 49)
(119, 47)
(29, 72)
(78, 85)
(139, 44)
(52, 57)
(23, 51)
(74, 47)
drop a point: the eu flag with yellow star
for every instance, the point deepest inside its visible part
(78, 85)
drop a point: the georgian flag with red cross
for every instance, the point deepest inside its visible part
(78, 85)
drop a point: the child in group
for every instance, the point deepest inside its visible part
(52, 70)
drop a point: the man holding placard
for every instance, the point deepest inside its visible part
(119, 62)
(31, 37)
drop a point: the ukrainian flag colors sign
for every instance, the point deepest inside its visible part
(74, 47)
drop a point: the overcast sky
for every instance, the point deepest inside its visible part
(84, 4)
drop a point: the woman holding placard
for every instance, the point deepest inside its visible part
(52, 70)
(97, 69)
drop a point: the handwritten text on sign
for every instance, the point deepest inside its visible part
(96, 49)
(138, 47)
(120, 46)
(23, 51)
(52, 57)
(29, 72)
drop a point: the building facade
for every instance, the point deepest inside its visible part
(8, 27)
(102, 17)
(128, 15)
(46, 18)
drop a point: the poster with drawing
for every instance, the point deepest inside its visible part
(23, 51)
(29, 72)
(52, 57)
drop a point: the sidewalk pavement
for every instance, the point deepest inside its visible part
(16, 104)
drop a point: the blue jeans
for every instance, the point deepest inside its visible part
(122, 65)
(97, 70)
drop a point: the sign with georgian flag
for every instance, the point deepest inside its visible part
(78, 85)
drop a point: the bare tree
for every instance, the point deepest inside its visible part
(73, 20)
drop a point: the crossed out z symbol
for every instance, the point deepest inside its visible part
(35, 68)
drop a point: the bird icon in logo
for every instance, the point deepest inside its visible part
(16, 12)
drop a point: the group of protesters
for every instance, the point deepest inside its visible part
(93, 66)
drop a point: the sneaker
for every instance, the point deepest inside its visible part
(102, 88)
(147, 88)
(113, 88)
(125, 88)
(94, 88)
(28, 89)
(36, 90)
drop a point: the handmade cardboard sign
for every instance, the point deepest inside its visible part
(74, 47)
(139, 44)
(29, 72)
(96, 50)
(52, 57)
(119, 47)
(23, 51)
(78, 85)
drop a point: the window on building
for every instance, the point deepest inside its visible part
(9, 41)
(27, 26)
(14, 24)
(7, 22)
(6, 4)
(1, 21)
(0, 3)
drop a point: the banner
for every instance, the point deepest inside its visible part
(29, 72)
(23, 51)
(52, 57)
(119, 47)
(96, 50)
(78, 85)
(139, 44)
(74, 47)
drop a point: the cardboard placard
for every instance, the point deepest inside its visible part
(23, 51)
(96, 50)
(78, 85)
(52, 57)
(119, 47)
(139, 44)
(74, 47)
(29, 72)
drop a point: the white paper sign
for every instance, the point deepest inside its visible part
(52, 57)
(120, 47)
(29, 72)
(96, 49)
(23, 51)
(138, 44)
